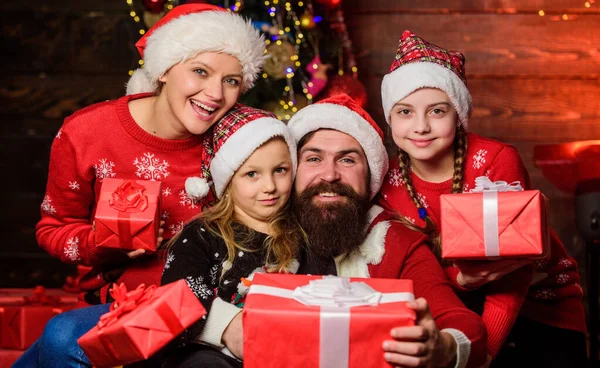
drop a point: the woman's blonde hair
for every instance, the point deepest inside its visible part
(460, 153)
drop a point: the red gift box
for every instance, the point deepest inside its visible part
(127, 214)
(8, 357)
(140, 323)
(25, 312)
(332, 334)
(492, 224)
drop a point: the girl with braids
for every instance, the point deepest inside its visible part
(249, 229)
(532, 310)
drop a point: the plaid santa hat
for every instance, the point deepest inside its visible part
(233, 140)
(420, 64)
(342, 113)
(190, 29)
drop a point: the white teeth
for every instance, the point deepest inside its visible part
(328, 194)
(205, 107)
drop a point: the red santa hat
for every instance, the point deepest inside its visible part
(342, 113)
(234, 138)
(190, 29)
(420, 64)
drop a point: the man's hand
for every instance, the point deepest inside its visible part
(474, 274)
(138, 252)
(233, 336)
(421, 345)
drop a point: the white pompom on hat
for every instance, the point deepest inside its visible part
(190, 29)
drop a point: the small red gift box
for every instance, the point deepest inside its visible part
(345, 328)
(489, 225)
(9, 356)
(25, 312)
(140, 323)
(127, 214)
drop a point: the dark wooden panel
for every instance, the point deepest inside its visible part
(56, 96)
(537, 110)
(520, 45)
(91, 42)
(18, 126)
(467, 6)
(66, 6)
(29, 270)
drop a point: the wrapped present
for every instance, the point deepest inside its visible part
(23, 318)
(496, 219)
(9, 356)
(333, 321)
(127, 214)
(140, 323)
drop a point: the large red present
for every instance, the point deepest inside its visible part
(23, 318)
(140, 323)
(9, 356)
(495, 223)
(127, 214)
(322, 321)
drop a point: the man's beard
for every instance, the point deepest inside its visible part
(333, 228)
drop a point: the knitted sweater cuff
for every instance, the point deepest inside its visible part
(221, 314)
(463, 347)
(498, 323)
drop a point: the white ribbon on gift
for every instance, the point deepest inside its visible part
(490, 189)
(335, 295)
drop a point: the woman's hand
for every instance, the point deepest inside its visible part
(233, 336)
(421, 345)
(474, 274)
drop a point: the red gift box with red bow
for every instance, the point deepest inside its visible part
(23, 317)
(140, 323)
(333, 321)
(127, 214)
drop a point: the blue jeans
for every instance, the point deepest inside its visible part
(57, 347)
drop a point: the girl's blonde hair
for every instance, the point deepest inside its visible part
(460, 153)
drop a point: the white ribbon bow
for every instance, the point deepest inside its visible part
(484, 184)
(331, 291)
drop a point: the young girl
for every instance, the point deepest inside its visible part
(249, 230)
(427, 104)
(198, 59)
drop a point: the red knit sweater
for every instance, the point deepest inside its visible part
(554, 296)
(103, 141)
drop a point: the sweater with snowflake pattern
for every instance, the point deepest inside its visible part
(103, 141)
(554, 298)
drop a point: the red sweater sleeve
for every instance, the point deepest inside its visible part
(65, 229)
(421, 266)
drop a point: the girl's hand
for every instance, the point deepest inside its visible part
(138, 252)
(421, 345)
(474, 274)
(233, 336)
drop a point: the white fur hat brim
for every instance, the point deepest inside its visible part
(188, 35)
(343, 119)
(410, 77)
(240, 146)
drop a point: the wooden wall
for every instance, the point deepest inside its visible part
(534, 79)
(59, 56)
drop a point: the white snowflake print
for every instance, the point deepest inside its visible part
(47, 206)
(104, 169)
(423, 200)
(541, 264)
(545, 294)
(72, 249)
(216, 255)
(213, 274)
(395, 177)
(170, 259)
(186, 201)
(562, 278)
(465, 188)
(150, 167)
(175, 228)
(412, 220)
(166, 192)
(197, 285)
(59, 133)
(74, 185)
(164, 216)
(565, 262)
(479, 159)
